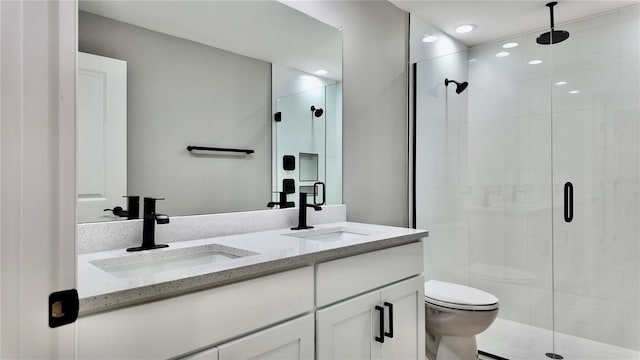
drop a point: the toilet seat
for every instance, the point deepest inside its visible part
(458, 297)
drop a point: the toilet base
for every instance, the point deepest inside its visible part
(457, 348)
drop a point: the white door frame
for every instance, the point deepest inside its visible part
(37, 174)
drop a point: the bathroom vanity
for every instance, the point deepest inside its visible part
(340, 290)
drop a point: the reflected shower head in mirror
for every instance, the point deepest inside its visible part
(317, 112)
(553, 36)
(460, 87)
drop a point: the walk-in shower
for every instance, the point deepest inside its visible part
(491, 168)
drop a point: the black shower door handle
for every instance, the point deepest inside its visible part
(568, 202)
(380, 338)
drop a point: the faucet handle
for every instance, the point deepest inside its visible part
(150, 208)
(315, 193)
(162, 219)
(150, 204)
(118, 211)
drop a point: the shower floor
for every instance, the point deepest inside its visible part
(516, 341)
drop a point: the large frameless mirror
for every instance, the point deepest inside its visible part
(178, 100)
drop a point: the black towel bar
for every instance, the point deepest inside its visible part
(191, 147)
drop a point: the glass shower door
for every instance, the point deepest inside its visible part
(596, 137)
(509, 212)
(483, 185)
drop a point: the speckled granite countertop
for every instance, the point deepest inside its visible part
(263, 253)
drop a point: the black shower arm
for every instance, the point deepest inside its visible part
(551, 5)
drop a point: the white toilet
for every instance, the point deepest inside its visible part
(454, 314)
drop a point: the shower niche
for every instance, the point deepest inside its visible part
(308, 167)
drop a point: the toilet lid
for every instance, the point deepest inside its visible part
(449, 294)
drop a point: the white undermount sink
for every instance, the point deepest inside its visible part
(330, 234)
(132, 265)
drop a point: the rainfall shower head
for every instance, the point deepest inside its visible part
(317, 112)
(553, 36)
(460, 87)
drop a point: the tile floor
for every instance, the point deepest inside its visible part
(517, 341)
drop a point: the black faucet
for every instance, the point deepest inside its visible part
(302, 216)
(283, 203)
(133, 208)
(148, 227)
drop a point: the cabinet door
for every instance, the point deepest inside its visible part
(292, 340)
(211, 354)
(347, 330)
(406, 301)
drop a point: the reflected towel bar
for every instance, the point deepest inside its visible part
(191, 147)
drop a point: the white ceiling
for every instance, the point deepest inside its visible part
(266, 30)
(500, 19)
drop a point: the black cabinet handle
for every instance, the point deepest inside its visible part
(390, 333)
(380, 338)
(568, 202)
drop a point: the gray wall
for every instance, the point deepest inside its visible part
(375, 101)
(183, 93)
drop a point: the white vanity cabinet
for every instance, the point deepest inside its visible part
(351, 329)
(323, 311)
(407, 301)
(175, 326)
(346, 330)
(293, 340)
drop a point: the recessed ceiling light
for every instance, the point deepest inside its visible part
(510, 45)
(574, 92)
(473, 60)
(535, 62)
(463, 29)
(429, 38)
(321, 72)
(502, 54)
(561, 83)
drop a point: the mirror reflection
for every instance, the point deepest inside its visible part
(155, 77)
(307, 137)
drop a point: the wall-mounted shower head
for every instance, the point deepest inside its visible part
(553, 36)
(460, 87)
(317, 112)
